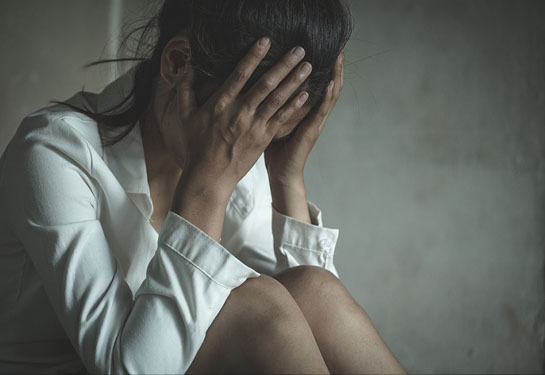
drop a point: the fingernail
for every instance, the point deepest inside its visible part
(298, 52)
(302, 98)
(306, 68)
(330, 86)
(263, 42)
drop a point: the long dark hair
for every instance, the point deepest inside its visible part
(221, 32)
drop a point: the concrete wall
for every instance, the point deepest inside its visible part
(44, 46)
(432, 164)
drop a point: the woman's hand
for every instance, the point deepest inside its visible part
(285, 161)
(227, 134)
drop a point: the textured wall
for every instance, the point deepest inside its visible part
(432, 165)
(433, 168)
(44, 46)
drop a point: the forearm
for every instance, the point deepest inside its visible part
(203, 204)
(290, 199)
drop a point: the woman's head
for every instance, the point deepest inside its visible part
(220, 32)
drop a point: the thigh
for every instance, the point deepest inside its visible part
(249, 310)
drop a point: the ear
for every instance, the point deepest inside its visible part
(175, 56)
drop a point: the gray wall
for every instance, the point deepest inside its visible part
(432, 165)
(44, 45)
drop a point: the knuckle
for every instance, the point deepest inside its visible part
(266, 84)
(282, 117)
(240, 75)
(220, 106)
(259, 118)
(276, 100)
(246, 106)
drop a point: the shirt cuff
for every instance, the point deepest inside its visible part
(203, 252)
(315, 214)
(299, 243)
(188, 282)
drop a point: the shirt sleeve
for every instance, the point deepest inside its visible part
(51, 199)
(297, 243)
(273, 242)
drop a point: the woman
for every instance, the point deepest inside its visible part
(162, 226)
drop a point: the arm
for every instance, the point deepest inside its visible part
(298, 232)
(274, 241)
(291, 200)
(50, 198)
(298, 238)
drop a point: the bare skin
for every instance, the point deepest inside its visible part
(348, 341)
(260, 329)
(163, 168)
(267, 325)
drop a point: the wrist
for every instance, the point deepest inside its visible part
(291, 200)
(201, 204)
(293, 183)
(198, 187)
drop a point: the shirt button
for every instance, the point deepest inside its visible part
(325, 243)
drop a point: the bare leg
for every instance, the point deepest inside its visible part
(347, 339)
(260, 329)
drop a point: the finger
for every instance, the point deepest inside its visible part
(313, 124)
(285, 113)
(338, 78)
(187, 93)
(342, 72)
(269, 80)
(244, 69)
(279, 96)
(325, 107)
(320, 114)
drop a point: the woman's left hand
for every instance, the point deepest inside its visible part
(285, 161)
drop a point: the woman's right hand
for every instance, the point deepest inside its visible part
(229, 132)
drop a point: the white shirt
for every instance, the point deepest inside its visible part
(86, 282)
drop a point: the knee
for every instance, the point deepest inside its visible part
(316, 280)
(266, 303)
(318, 289)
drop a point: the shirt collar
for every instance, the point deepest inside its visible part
(125, 158)
(127, 161)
